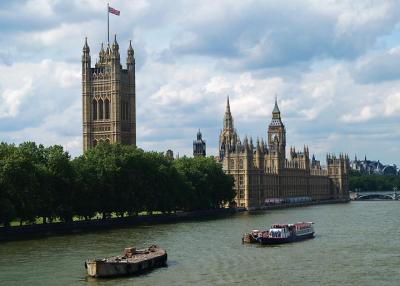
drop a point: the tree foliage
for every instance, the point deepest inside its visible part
(43, 182)
(373, 183)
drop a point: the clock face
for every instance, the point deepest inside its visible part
(274, 135)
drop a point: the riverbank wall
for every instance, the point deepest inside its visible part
(298, 205)
(42, 230)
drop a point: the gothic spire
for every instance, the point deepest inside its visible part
(86, 48)
(130, 49)
(115, 46)
(228, 120)
(130, 59)
(276, 115)
(276, 108)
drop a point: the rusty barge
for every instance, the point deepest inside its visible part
(133, 261)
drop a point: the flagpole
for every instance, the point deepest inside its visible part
(108, 23)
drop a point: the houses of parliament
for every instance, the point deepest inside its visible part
(262, 171)
(108, 97)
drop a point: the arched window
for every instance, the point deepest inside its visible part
(94, 104)
(126, 111)
(94, 143)
(101, 108)
(108, 141)
(107, 109)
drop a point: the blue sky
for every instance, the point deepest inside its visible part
(334, 66)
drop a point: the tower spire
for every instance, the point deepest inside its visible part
(86, 46)
(228, 120)
(276, 108)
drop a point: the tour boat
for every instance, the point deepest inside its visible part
(284, 233)
(132, 262)
(252, 237)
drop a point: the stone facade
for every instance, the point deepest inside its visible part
(199, 146)
(368, 167)
(262, 171)
(108, 97)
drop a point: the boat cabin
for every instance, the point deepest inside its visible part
(279, 232)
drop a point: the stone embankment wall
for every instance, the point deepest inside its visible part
(41, 230)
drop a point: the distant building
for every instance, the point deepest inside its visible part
(169, 154)
(199, 146)
(108, 97)
(262, 173)
(373, 167)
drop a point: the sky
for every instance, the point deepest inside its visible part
(335, 68)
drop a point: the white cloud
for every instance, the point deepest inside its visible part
(333, 67)
(363, 115)
(392, 104)
(11, 99)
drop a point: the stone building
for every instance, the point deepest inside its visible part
(368, 167)
(199, 146)
(262, 171)
(108, 97)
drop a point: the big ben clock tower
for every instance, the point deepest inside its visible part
(277, 135)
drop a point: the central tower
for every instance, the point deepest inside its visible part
(108, 97)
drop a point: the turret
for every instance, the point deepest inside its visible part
(130, 60)
(102, 54)
(85, 64)
(228, 120)
(85, 56)
(86, 93)
(115, 51)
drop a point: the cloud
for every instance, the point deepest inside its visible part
(11, 99)
(364, 114)
(332, 66)
(378, 66)
(392, 105)
(259, 34)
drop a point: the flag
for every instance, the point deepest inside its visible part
(113, 11)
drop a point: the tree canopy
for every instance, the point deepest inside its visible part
(373, 183)
(44, 182)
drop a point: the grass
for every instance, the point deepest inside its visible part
(98, 216)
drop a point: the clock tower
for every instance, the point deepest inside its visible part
(277, 136)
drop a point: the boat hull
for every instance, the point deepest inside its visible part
(103, 269)
(273, 240)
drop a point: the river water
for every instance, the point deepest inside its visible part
(356, 244)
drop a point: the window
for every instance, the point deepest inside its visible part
(94, 143)
(127, 111)
(94, 109)
(107, 109)
(231, 164)
(241, 164)
(101, 108)
(124, 110)
(241, 180)
(241, 194)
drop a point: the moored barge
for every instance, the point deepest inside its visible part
(132, 262)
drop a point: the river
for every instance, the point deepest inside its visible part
(356, 244)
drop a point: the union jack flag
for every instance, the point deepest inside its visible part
(113, 11)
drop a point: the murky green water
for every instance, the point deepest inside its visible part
(356, 244)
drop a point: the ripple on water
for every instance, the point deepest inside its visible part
(356, 244)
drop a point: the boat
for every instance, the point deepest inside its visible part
(284, 233)
(251, 237)
(133, 261)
